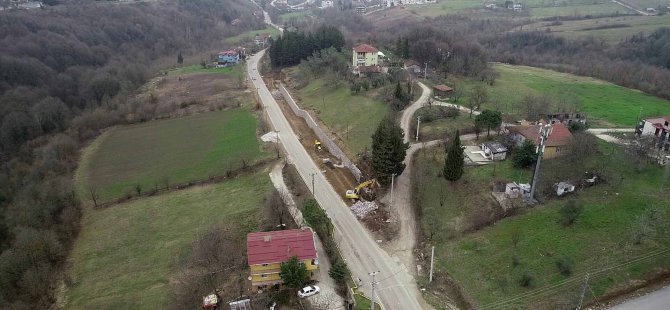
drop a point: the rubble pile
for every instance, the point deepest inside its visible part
(363, 208)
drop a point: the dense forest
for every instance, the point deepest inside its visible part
(66, 72)
(292, 47)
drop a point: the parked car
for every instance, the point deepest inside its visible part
(308, 291)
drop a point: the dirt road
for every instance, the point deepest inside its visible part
(396, 288)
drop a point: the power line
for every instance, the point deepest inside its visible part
(553, 288)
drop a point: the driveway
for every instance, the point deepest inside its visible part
(396, 288)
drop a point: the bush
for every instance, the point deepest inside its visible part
(338, 271)
(524, 156)
(564, 266)
(317, 219)
(526, 280)
(570, 212)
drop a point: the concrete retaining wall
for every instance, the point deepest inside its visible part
(326, 141)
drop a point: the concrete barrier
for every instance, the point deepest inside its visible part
(326, 141)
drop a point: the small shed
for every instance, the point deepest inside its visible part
(563, 188)
(494, 150)
(442, 90)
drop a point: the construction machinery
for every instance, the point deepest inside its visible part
(365, 191)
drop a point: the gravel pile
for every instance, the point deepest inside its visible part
(362, 208)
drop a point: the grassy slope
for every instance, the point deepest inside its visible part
(579, 10)
(336, 107)
(482, 262)
(602, 102)
(234, 70)
(584, 28)
(183, 149)
(249, 35)
(122, 258)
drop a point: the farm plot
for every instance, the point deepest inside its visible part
(125, 255)
(157, 154)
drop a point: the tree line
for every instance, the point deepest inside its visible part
(65, 73)
(292, 47)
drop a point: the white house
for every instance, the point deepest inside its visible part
(658, 127)
(517, 7)
(327, 4)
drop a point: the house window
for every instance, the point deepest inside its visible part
(302, 263)
(265, 265)
(558, 150)
(264, 275)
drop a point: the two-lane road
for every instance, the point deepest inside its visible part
(396, 288)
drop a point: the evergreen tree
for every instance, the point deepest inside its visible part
(453, 163)
(524, 156)
(293, 273)
(489, 119)
(388, 150)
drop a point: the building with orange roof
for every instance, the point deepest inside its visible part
(557, 143)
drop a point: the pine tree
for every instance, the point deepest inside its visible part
(453, 163)
(294, 274)
(388, 150)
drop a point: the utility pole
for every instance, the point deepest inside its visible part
(392, 178)
(545, 131)
(277, 142)
(432, 257)
(425, 70)
(374, 286)
(586, 284)
(418, 123)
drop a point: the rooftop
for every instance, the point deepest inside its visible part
(560, 134)
(495, 147)
(279, 246)
(658, 121)
(365, 48)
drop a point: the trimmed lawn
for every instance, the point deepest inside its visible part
(338, 109)
(489, 265)
(175, 150)
(605, 104)
(124, 255)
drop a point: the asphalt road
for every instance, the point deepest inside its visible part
(658, 300)
(396, 289)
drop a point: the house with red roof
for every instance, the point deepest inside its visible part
(557, 144)
(266, 251)
(658, 127)
(365, 55)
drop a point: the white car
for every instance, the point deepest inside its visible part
(308, 291)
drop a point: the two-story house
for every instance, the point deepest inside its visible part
(229, 57)
(364, 55)
(266, 251)
(557, 144)
(658, 127)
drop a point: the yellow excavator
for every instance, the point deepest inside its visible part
(364, 191)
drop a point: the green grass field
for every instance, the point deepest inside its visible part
(605, 8)
(337, 108)
(488, 265)
(440, 128)
(180, 150)
(298, 15)
(605, 104)
(234, 70)
(626, 26)
(249, 35)
(124, 255)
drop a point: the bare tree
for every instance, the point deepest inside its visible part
(275, 209)
(93, 194)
